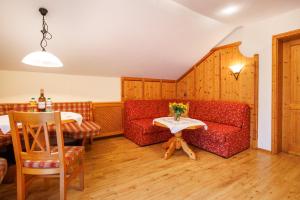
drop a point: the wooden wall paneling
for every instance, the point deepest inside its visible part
(207, 81)
(147, 88)
(186, 86)
(132, 88)
(168, 89)
(212, 77)
(152, 89)
(110, 117)
(242, 89)
(200, 81)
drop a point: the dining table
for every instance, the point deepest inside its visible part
(5, 133)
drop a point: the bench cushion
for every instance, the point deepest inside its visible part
(145, 109)
(75, 131)
(83, 108)
(229, 113)
(73, 154)
(146, 126)
(220, 139)
(217, 133)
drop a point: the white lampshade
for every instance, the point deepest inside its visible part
(42, 59)
(236, 68)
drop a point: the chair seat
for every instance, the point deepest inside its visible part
(73, 154)
(3, 168)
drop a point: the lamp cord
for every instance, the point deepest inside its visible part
(46, 35)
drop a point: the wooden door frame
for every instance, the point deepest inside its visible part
(277, 66)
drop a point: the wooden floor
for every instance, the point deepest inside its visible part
(116, 168)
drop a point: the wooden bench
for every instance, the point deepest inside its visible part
(87, 130)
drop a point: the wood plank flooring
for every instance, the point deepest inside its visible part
(116, 168)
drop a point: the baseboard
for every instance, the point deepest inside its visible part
(264, 150)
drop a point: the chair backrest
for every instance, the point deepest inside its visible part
(31, 131)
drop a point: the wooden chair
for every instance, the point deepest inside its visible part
(39, 158)
(3, 169)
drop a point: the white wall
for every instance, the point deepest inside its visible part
(19, 86)
(257, 38)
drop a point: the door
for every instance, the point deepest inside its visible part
(291, 97)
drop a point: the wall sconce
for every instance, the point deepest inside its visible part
(236, 70)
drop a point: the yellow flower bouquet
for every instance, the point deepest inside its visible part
(178, 109)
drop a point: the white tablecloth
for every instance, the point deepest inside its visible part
(5, 126)
(183, 123)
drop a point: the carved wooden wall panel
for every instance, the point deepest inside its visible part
(110, 117)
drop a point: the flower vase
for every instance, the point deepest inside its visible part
(177, 116)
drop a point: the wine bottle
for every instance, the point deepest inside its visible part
(42, 102)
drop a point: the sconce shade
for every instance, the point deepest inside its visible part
(236, 68)
(42, 59)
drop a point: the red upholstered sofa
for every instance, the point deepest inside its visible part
(228, 125)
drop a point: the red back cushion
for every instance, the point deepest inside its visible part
(228, 113)
(142, 109)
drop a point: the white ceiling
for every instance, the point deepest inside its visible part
(247, 10)
(148, 38)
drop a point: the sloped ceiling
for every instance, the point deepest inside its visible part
(148, 38)
(245, 11)
(143, 38)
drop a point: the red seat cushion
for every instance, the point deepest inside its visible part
(146, 125)
(215, 134)
(218, 132)
(73, 154)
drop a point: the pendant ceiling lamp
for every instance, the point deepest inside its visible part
(43, 58)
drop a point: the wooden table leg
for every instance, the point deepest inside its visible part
(168, 143)
(177, 142)
(170, 150)
(187, 150)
